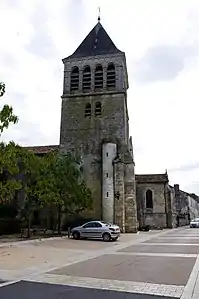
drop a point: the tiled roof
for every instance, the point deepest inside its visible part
(151, 178)
(44, 149)
(97, 42)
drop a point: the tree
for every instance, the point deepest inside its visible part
(2, 89)
(61, 185)
(19, 171)
(6, 113)
(29, 165)
(9, 169)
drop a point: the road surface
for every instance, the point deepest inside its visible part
(154, 265)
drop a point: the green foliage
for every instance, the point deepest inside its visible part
(61, 184)
(6, 117)
(6, 113)
(9, 169)
(2, 89)
(54, 182)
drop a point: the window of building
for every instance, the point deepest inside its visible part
(88, 110)
(98, 77)
(106, 194)
(86, 82)
(98, 109)
(149, 199)
(110, 76)
(107, 175)
(107, 154)
(74, 79)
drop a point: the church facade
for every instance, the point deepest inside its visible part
(95, 123)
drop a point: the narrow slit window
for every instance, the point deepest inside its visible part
(74, 79)
(149, 199)
(88, 110)
(106, 194)
(107, 154)
(86, 82)
(98, 109)
(110, 76)
(107, 175)
(98, 77)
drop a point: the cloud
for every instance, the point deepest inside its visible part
(186, 167)
(161, 42)
(164, 62)
(41, 43)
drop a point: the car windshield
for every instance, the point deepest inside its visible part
(196, 220)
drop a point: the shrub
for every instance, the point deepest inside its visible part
(9, 226)
(7, 211)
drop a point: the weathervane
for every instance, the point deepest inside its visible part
(98, 15)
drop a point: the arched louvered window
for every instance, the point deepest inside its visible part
(149, 199)
(74, 79)
(98, 109)
(86, 83)
(98, 77)
(88, 110)
(110, 76)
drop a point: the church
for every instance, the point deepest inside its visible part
(95, 123)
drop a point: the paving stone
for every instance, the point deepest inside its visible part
(156, 270)
(161, 249)
(30, 290)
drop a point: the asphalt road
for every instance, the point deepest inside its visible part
(33, 290)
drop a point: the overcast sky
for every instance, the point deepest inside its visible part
(161, 41)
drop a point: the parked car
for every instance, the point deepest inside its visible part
(96, 230)
(194, 223)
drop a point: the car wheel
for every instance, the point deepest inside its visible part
(106, 237)
(76, 235)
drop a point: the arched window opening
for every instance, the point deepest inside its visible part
(98, 77)
(74, 79)
(88, 110)
(110, 77)
(86, 84)
(98, 109)
(149, 199)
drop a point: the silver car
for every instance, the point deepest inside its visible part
(96, 230)
(194, 223)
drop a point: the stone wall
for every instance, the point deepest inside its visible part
(193, 207)
(131, 224)
(119, 61)
(174, 213)
(157, 217)
(182, 206)
(119, 194)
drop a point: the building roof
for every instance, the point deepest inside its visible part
(152, 178)
(97, 42)
(192, 195)
(44, 149)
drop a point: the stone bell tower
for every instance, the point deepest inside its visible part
(94, 122)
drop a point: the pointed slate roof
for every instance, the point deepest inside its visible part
(97, 42)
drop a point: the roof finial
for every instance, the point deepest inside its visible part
(98, 15)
